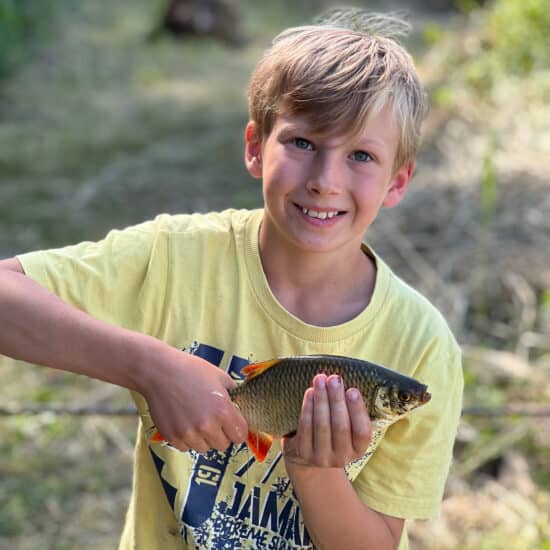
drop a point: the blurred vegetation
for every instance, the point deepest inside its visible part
(503, 40)
(20, 22)
(515, 38)
(100, 128)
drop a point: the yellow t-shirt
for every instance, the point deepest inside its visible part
(196, 282)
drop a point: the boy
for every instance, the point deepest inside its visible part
(334, 125)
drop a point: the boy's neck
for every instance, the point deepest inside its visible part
(316, 288)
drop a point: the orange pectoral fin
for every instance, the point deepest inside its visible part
(256, 369)
(259, 443)
(157, 437)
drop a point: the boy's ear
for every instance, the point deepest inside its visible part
(398, 185)
(252, 150)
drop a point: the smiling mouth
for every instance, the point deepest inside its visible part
(320, 214)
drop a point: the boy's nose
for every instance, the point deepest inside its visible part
(325, 178)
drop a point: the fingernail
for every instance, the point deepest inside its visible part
(335, 381)
(321, 381)
(353, 395)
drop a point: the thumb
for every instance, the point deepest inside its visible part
(227, 381)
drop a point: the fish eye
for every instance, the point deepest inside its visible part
(405, 396)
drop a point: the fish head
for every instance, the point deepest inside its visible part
(391, 402)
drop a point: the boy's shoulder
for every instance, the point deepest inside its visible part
(413, 310)
(211, 222)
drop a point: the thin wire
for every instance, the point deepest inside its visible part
(515, 409)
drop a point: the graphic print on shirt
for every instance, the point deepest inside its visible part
(228, 499)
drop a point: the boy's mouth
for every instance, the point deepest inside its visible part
(319, 214)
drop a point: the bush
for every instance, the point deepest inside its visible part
(514, 40)
(518, 35)
(10, 34)
(19, 20)
(504, 40)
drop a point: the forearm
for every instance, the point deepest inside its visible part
(187, 396)
(335, 516)
(40, 328)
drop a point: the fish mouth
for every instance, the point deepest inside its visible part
(426, 396)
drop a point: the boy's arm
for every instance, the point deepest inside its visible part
(186, 395)
(334, 429)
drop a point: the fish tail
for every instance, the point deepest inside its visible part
(157, 437)
(259, 443)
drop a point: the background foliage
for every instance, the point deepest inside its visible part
(101, 127)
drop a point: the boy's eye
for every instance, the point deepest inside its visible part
(304, 144)
(361, 156)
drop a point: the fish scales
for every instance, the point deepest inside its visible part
(270, 398)
(271, 401)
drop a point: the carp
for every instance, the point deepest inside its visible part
(270, 397)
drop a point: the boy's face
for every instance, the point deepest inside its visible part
(322, 192)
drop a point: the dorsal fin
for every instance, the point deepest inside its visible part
(256, 369)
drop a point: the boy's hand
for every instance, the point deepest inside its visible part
(189, 403)
(334, 427)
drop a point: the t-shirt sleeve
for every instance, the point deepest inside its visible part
(107, 278)
(406, 475)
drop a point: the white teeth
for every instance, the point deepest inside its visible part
(319, 215)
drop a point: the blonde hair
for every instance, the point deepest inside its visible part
(336, 74)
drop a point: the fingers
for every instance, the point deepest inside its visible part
(361, 429)
(223, 423)
(213, 431)
(216, 426)
(322, 437)
(334, 426)
(190, 405)
(200, 440)
(234, 427)
(304, 433)
(339, 419)
(235, 431)
(228, 382)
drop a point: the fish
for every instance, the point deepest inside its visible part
(270, 397)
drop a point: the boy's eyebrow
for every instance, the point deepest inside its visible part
(367, 142)
(295, 127)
